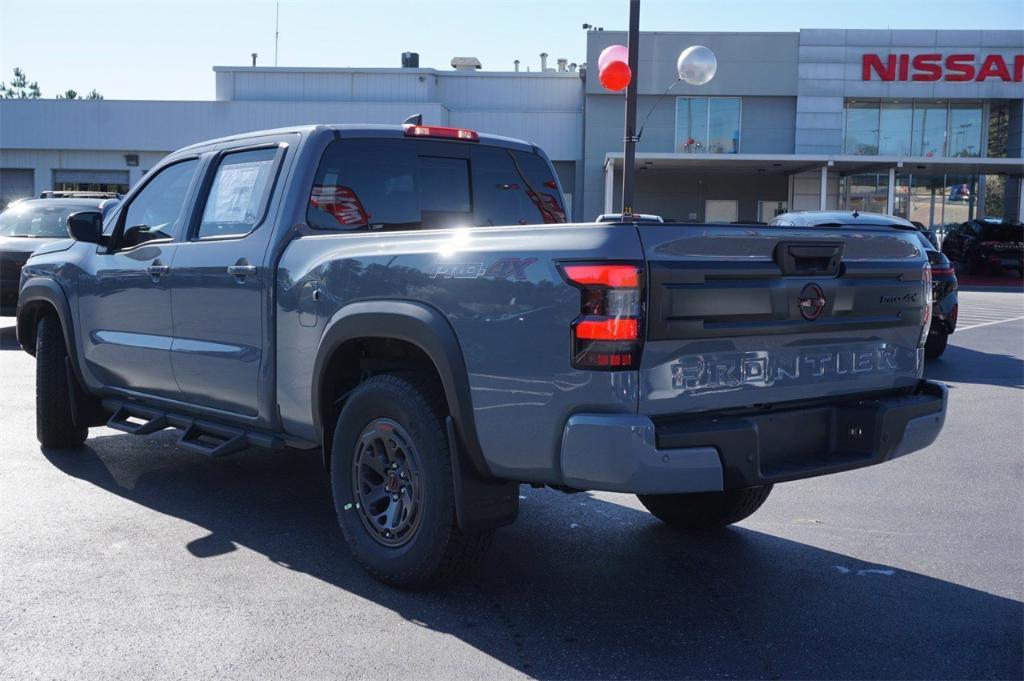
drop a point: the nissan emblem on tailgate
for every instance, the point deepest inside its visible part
(811, 302)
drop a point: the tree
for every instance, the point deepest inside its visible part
(20, 88)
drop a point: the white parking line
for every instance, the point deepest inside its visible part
(976, 326)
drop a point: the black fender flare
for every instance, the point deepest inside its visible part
(40, 293)
(45, 290)
(426, 328)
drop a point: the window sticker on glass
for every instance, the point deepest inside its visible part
(233, 200)
(236, 198)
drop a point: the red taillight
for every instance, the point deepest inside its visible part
(607, 334)
(442, 132)
(608, 329)
(613, 276)
(942, 271)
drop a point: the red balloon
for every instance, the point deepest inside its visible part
(615, 75)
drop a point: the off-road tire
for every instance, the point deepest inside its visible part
(705, 510)
(935, 345)
(55, 424)
(437, 552)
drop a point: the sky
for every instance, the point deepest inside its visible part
(166, 50)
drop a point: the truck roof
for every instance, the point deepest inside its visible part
(356, 130)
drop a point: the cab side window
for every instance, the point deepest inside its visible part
(512, 187)
(157, 212)
(238, 197)
(390, 184)
(365, 184)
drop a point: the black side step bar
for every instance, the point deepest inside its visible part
(212, 440)
(205, 437)
(154, 421)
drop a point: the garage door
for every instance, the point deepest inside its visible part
(91, 180)
(16, 183)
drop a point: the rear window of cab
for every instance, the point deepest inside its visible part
(399, 184)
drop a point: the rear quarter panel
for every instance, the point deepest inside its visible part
(510, 309)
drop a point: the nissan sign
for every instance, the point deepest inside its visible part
(953, 67)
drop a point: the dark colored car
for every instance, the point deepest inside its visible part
(928, 233)
(945, 305)
(25, 226)
(985, 243)
(944, 286)
(959, 192)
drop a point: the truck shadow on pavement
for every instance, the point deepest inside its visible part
(966, 365)
(583, 588)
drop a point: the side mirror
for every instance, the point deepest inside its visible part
(86, 226)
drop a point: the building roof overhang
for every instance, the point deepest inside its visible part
(791, 164)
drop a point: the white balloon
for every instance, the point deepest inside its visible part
(696, 65)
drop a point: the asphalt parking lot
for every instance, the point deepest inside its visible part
(132, 559)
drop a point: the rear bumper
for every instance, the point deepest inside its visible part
(630, 453)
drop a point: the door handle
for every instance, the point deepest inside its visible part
(241, 270)
(156, 269)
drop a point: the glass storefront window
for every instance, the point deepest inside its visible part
(894, 128)
(866, 193)
(998, 130)
(920, 128)
(707, 125)
(766, 210)
(929, 128)
(691, 124)
(923, 197)
(862, 128)
(964, 130)
(724, 126)
(995, 196)
(934, 200)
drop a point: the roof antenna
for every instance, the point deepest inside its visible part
(856, 214)
(277, 26)
(415, 119)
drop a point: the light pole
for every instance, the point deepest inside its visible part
(629, 146)
(696, 66)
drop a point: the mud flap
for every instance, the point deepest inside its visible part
(86, 410)
(479, 504)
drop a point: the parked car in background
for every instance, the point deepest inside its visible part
(986, 243)
(959, 192)
(945, 305)
(636, 217)
(28, 224)
(944, 285)
(928, 233)
(76, 194)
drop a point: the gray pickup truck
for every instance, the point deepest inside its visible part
(409, 301)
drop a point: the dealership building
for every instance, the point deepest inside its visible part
(919, 123)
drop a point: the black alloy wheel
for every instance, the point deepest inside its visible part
(386, 482)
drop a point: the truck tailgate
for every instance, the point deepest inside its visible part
(739, 316)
